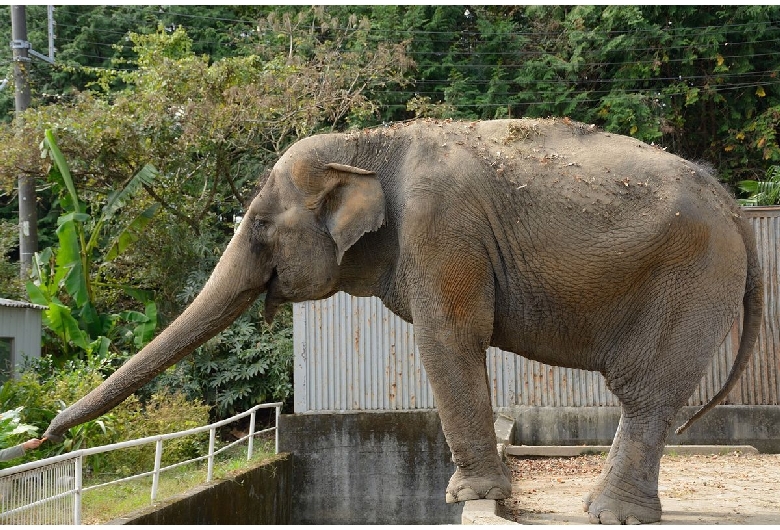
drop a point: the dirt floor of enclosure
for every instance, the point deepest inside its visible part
(699, 489)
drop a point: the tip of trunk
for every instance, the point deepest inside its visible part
(53, 437)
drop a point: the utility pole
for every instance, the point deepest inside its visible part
(28, 215)
(50, 16)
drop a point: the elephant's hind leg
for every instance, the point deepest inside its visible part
(651, 391)
(627, 491)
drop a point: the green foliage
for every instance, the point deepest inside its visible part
(764, 192)
(91, 37)
(12, 430)
(164, 412)
(43, 390)
(248, 363)
(11, 285)
(63, 276)
(696, 79)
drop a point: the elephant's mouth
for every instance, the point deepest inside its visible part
(273, 298)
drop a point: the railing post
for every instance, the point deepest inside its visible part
(77, 494)
(276, 429)
(212, 439)
(251, 445)
(157, 464)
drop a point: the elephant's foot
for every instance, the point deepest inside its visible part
(464, 487)
(619, 505)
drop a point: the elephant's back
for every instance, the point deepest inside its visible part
(559, 159)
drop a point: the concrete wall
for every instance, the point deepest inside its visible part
(758, 426)
(393, 467)
(369, 468)
(261, 495)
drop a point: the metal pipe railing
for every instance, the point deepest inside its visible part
(78, 488)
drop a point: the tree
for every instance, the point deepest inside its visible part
(92, 38)
(64, 276)
(210, 128)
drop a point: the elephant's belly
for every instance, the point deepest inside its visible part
(553, 345)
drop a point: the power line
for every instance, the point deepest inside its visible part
(571, 70)
(529, 54)
(668, 30)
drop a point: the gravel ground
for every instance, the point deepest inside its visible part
(700, 489)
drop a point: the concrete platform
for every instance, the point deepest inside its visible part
(483, 512)
(487, 512)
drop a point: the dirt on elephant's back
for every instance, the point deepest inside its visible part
(699, 489)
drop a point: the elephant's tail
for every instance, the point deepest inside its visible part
(752, 302)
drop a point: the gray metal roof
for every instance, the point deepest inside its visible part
(4, 302)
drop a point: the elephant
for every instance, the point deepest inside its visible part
(548, 238)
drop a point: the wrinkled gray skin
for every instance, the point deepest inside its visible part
(568, 246)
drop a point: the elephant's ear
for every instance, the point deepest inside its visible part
(356, 205)
(350, 200)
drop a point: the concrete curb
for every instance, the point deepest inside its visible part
(484, 512)
(567, 450)
(505, 433)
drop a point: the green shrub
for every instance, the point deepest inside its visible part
(12, 430)
(762, 192)
(43, 390)
(164, 413)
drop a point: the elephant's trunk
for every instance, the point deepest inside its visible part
(232, 287)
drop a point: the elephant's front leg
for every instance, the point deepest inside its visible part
(453, 318)
(459, 381)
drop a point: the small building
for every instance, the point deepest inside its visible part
(20, 335)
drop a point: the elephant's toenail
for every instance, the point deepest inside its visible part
(607, 517)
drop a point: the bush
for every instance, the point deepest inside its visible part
(12, 430)
(43, 390)
(164, 413)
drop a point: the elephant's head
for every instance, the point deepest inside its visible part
(290, 245)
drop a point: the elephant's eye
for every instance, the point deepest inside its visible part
(262, 226)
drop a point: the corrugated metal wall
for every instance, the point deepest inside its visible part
(760, 384)
(354, 354)
(21, 322)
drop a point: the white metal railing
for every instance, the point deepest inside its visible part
(38, 492)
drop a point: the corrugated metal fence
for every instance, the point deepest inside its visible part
(354, 354)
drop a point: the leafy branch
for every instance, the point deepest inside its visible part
(762, 192)
(62, 276)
